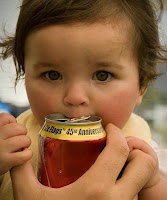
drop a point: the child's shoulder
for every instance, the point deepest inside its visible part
(28, 120)
(137, 127)
(25, 116)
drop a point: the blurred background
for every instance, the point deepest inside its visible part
(14, 101)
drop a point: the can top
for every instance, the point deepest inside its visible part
(62, 119)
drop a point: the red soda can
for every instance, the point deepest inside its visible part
(68, 148)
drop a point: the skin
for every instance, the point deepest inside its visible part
(77, 53)
(13, 137)
(96, 74)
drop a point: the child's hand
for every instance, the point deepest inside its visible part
(13, 140)
(156, 187)
(100, 182)
(138, 146)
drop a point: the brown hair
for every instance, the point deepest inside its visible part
(35, 14)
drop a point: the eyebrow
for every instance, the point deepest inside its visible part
(42, 64)
(107, 64)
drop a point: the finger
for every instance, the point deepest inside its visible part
(111, 161)
(136, 173)
(19, 175)
(10, 130)
(6, 118)
(136, 143)
(18, 143)
(32, 188)
(20, 157)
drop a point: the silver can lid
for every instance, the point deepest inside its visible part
(59, 118)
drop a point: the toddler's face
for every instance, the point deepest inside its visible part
(82, 70)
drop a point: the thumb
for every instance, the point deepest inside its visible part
(23, 180)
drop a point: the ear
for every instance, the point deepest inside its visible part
(142, 92)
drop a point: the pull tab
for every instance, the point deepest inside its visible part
(78, 119)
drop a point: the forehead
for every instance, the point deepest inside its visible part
(110, 35)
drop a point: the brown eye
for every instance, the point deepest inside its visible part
(53, 75)
(102, 76)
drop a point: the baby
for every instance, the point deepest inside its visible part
(82, 58)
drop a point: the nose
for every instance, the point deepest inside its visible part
(76, 95)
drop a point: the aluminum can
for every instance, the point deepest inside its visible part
(68, 148)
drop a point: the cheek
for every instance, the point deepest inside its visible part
(117, 108)
(42, 103)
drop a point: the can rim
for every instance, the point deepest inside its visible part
(59, 118)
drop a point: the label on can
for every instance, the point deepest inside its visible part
(84, 128)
